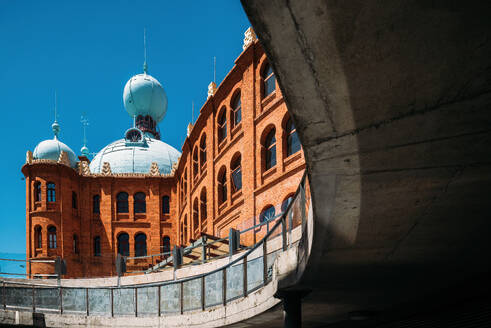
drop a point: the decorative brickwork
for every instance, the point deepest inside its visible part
(88, 213)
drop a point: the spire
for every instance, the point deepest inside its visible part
(145, 67)
(85, 122)
(55, 126)
(215, 69)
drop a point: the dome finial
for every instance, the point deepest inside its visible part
(55, 126)
(85, 122)
(145, 66)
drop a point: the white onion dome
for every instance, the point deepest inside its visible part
(135, 154)
(144, 95)
(51, 149)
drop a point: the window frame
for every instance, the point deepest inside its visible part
(236, 174)
(202, 152)
(195, 162)
(52, 242)
(96, 204)
(139, 205)
(222, 186)
(97, 246)
(123, 243)
(291, 136)
(236, 110)
(140, 245)
(165, 205)
(268, 80)
(263, 217)
(76, 249)
(74, 200)
(51, 192)
(222, 125)
(270, 159)
(122, 205)
(203, 208)
(38, 235)
(37, 191)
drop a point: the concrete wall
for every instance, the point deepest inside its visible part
(392, 104)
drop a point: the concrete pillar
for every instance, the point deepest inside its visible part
(292, 306)
(292, 310)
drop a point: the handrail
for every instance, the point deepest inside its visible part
(66, 299)
(201, 275)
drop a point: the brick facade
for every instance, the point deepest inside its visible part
(193, 187)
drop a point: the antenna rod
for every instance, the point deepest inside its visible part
(85, 122)
(215, 69)
(145, 67)
(55, 105)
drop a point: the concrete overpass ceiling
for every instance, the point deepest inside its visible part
(392, 104)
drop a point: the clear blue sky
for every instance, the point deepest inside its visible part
(86, 51)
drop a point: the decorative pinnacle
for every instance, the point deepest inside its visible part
(85, 122)
(55, 126)
(145, 66)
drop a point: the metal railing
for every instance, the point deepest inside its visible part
(29, 262)
(246, 273)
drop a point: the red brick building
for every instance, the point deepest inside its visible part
(240, 163)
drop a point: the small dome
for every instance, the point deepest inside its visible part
(51, 149)
(136, 156)
(85, 151)
(144, 95)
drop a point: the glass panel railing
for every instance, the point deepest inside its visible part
(214, 289)
(148, 301)
(235, 281)
(124, 301)
(74, 300)
(100, 301)
(191, 296)
(170, 296)
(47, 299)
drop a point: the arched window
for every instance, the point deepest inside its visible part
(267, 214)
(181, 192)
(96, 204)
(51, 192)
(140, 244)
(195, 162)
(185, 182)
(38, 235)
(222, 125)
(202, 151)
(292, 142)
(286, 202)
(184, 229)
(74, 200)
(195, 216)
(236, 110)
(270, 150)
(236, 174)
(37, 191)
(122, 202)
(166, 244)
(97, 246)
(75, 244)
(52, 237)
(269, 80)
(202, 209)
(222, 186)
(140, 205)
(165, 205)
(124, 244)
